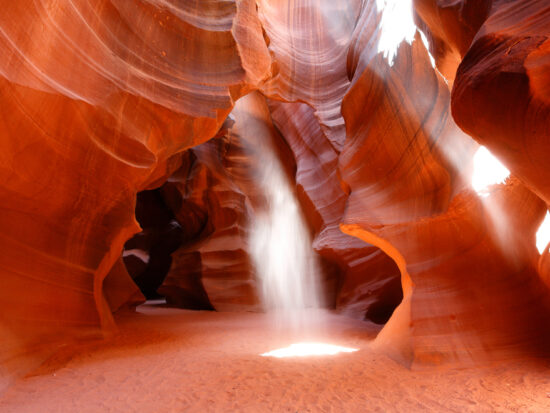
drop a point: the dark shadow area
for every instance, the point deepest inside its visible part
(389, 298)
(147, 255)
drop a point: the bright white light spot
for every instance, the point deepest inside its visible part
(280, 246)
(427, 46)
(308, 349)
(397, 25)
(487, 171)
(543, 234)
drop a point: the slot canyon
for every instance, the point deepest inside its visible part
(274, 206)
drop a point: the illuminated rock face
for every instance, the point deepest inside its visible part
(104, 99)
(98, 98)
(411, 200)
(216, 192)
(511, 84)
(369, 281)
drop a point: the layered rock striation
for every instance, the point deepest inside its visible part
(105, 99)
(98, 97)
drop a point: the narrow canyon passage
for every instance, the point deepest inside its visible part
(274, 205)
(170, 360)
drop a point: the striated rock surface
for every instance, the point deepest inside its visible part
(366, 277)
(470, 283)
(104, 100)
(470, 293)
(213, 267)
(501, 93)
(315, 72)
(221, 188)
(309, 40)
(450, 27)
(97, 97)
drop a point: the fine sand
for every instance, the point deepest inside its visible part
(168, 360)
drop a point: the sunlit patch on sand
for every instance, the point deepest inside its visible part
(308, 349)
(543, 234)
(487, 171)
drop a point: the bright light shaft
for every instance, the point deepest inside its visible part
(487, 171)
(543, 234)
(308, 349)
(397, 25)
(281, 249)
(281, 246)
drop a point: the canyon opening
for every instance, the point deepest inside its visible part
(274, 205)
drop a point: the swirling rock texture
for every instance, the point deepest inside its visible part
(414, 204)
(214, 268)
(216, 198)
(307, 70)
(450, 26)
(511, 84)
(321, 191)
(315, 72)
(97, 97)
(104, 99)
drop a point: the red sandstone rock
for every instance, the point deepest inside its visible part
(307, 70)
(119, 289)
(450, 26)
(365, 276)
(471, 293)
(500, 96)
(101, 100)
(468, 265)
(213, 267)
(544, 266)
(97, 97)
(316, 73)
(222, 183)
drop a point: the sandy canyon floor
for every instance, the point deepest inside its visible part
(168, 360)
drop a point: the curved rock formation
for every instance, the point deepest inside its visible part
(213, 267)
(316, 73)
(411, 199)
(470, 293)
(223, 184)
(311, 71)
(105, 99)
(365, 276)
(501, 97)
(450, 27)
(147, 254)
(99, 96)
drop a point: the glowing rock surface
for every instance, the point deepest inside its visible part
(104, 99)
(98, 96)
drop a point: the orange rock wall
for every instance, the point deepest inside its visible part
(103, 99)
(97, 97)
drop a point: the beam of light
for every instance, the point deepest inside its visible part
(487, 171)
(427, 46)
(397, 25)
(280, 247)
(308, 349)
(543, 234)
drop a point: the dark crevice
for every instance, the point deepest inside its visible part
(389, 298)
(147, 255)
